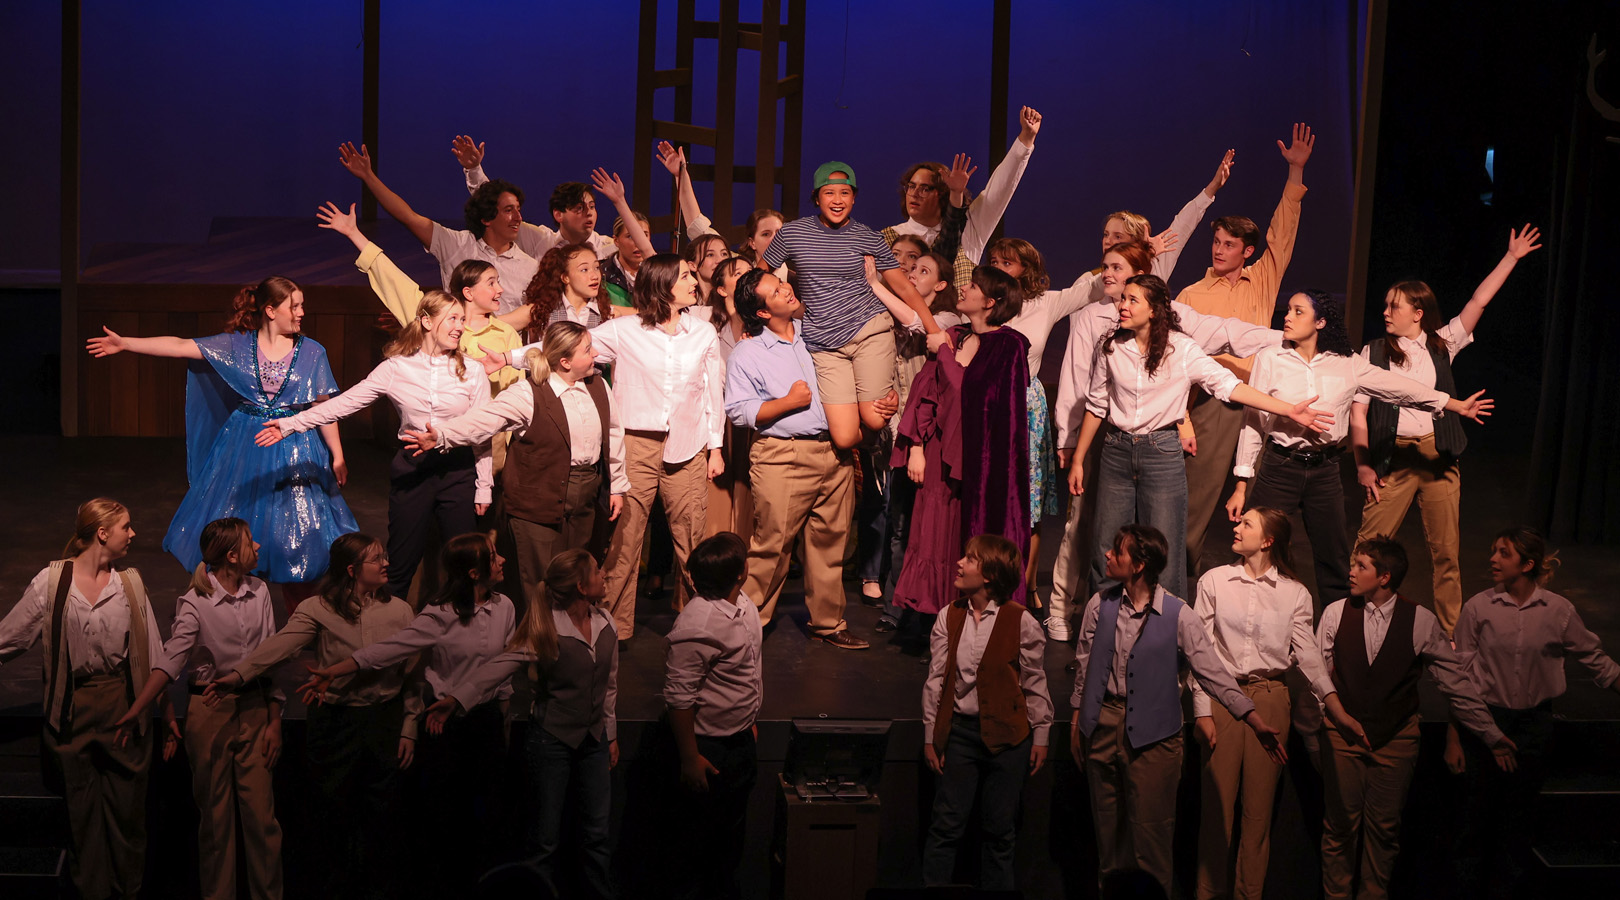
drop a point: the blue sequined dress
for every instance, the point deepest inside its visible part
(286, 493)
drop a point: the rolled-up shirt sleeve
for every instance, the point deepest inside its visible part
(744, 392)
(690, 659)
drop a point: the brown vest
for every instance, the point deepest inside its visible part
(1381, 695)
(1003, 717)
(535, 480)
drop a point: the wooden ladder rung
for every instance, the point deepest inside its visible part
(668, 78)
(739, 173)
(683, 133)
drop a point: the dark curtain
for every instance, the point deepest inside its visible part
(1574, 483)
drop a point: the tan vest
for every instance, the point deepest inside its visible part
(58, 669)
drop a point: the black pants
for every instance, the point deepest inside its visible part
(455, 789)
(353, 757)
(1493, 851)
(713, 825)
(995, 781)
(421, 489)
(1317, 494)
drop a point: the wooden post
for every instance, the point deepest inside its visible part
(725, 113)
(370, 82)
(1366, 165)
(770, 48)
(1000, 62)
(71, 349)
(793, 111)
(646, 59)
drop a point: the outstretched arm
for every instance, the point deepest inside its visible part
(1186, 221)
(611, 187)
(988, 207)
(358, 162)
(113, 342)
(1521, 243)
(674, 160)
(907, 292)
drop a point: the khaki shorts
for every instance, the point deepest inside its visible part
(861, 370)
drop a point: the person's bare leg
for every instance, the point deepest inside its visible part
(870, 417)
(844, 423)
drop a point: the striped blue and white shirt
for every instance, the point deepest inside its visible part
(832, 276)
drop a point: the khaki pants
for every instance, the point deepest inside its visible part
(806, 486)
(1133, 797)
(1238, 771)
(1418, 470)
(1216, 425)
(1069, 595)
(105, 789)
(731, 500)
(1364, 791)
(684, 488)
(535, 544)
(228, 775)
(862, 370)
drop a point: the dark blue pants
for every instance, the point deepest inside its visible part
(996, 781)
(558, 773)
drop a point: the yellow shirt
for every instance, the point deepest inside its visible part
(403, 297)
(1254, 297)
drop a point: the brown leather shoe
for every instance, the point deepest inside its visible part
(844, 640)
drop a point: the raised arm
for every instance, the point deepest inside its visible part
(1186, 221)
(674, 160)
(987, 208)
(398, 291)
(611, 187)
(112, 342)
(1521, 243)
(1267, 271)
(358, 162)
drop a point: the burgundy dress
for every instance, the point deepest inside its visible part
(971, 426)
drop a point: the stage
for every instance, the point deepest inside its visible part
(46, 477)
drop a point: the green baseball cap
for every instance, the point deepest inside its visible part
(825, 172)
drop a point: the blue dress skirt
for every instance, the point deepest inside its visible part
(1043, 479)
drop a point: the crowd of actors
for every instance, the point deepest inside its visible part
(849, 396)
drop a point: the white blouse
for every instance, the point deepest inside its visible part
(664, 382)
(1135, 402)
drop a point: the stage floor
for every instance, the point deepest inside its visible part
(45, 478)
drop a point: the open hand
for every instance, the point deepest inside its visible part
(1522, 243)
(1222, 172)
(1268, 738)
(469, 154)
(962, 168)
(695, 773)
(609, 186)
(671, 157)
(1506, 753)
(358, 162)
(407, 752)
(1299, 152)
(1163, 242)
(1477, 407)
(313, 691)
(440, 712)
(270, 435)
(1314, 419)
(111, 343)
(219, 687)
(332, 216)
(419, 442)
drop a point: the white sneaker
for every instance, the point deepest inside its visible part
(1057, 629)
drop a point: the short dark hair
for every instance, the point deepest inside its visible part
(1003, 289)
(1148, 547)
(745, 297)
(486, 202)
(717, 565)
(999, 563)
(1240, 227)
(1388, 558)
(568, 195)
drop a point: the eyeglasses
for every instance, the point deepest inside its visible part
(919, 187)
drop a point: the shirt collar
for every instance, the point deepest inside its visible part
(770, 338)
(1156, 605)
(220, 595)
(1210, 278)
(731, 610)
(565, 626)
(1500, 596)
(559, 386)
(1269, 576)
(511, 252)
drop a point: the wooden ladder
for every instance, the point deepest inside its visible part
(774, 41)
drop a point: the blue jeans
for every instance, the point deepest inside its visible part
(872, 519)
(1142, 479)
(554, 769)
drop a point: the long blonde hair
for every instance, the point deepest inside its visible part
(219, 539)
(93, 516)
(537, 633)
(414, 336)
(561, 340)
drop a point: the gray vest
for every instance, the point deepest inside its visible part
(570, 696)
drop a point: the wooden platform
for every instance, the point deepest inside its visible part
(186, 289)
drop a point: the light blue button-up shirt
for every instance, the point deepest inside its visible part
(764, 368)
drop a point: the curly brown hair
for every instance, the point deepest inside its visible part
(545, 291)
(1034, 281)
(249, 304)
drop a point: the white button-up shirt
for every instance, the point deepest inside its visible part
(535, 239)
(1334, 380)
(1094, 322)
(96, 631)
(714, 664)
(1259, 626)
(664, 382)
(1515, 654)
(1135, 402)
(215, 632)
(424, 389)
(455, 649)
(514, 267)
(1420, 368)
